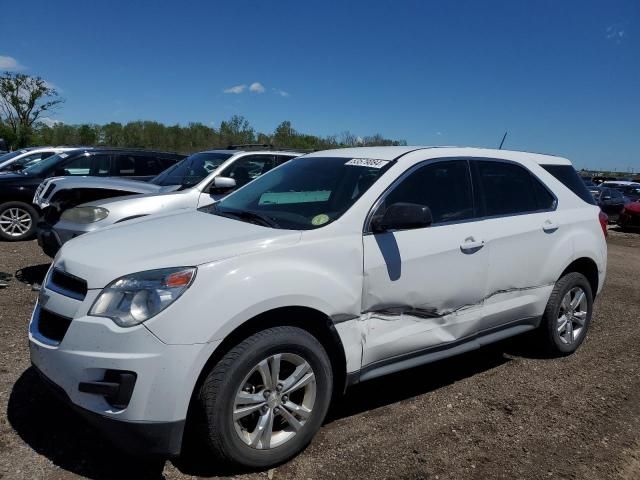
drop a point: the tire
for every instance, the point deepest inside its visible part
(235, 374)
(557, 339)
(26, 217)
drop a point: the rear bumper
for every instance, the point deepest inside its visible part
(138, 438)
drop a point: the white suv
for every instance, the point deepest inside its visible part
(334, 268)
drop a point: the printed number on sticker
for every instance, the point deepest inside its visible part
(367, 162)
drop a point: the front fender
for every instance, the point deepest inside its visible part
(227, 293)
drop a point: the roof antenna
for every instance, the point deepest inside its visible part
(502, 142)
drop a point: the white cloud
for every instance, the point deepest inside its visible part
(49, 122)
(615, 33)
(10, 63)
(256, 87)
(236, 89)
(282, 93)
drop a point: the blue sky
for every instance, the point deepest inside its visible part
(561, 76)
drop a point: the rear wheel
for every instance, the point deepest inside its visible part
(17, 221)
(266, 398)
(567, 316)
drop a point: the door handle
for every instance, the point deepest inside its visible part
(471, 245)
(550, 226)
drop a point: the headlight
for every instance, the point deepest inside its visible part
(135, 298)
(84, 214)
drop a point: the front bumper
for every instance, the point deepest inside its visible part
(51, 238)
(86, 349)
(137, 438)
(48, 239)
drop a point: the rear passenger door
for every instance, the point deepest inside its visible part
(523, 238)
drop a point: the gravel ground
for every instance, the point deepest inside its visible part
(502, 412)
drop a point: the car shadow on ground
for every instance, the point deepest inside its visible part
(54, 430)
(33, 275)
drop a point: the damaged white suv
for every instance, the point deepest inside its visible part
(340, 266)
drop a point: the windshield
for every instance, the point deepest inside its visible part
(41, 167)
(10, 155)
(304, 193)
(192, 169)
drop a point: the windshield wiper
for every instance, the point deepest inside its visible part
(252, 217)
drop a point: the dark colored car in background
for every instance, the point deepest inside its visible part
(18, 214)
(610, 201)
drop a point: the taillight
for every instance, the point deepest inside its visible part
(604, 220)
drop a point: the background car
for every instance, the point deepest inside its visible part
(18, 214)
(19, 159)
(610, 201)
(630, 215)
(195, 182)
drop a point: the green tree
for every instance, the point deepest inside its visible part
(23, 101)
(88, 134)
(236, 131)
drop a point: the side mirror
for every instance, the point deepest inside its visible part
(222, 185)
(402, 216)
(14, 167)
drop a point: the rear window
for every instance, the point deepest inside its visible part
(570, 178)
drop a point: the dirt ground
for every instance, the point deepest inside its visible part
(502, 412)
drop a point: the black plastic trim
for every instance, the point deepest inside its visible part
(442, 351)
(137, 438)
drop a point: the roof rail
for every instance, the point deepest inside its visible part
(250, 145)
(270, 146)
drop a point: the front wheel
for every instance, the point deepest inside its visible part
(267, 397)
(567, 316)
(17, 221)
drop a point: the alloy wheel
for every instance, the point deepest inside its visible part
(274, 401)
(15, 221)
(572, 316)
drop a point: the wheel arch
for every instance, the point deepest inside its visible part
(587, 267)
(309, 319)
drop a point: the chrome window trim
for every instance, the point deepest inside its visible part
(367, 223)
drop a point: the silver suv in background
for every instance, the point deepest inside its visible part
(197, 181)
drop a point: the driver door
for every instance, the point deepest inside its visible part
(424, 287)
(243, 170)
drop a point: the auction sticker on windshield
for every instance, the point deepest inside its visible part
(367, 162)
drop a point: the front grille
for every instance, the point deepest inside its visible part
(46, 194)
(67, 284)
(52, 326)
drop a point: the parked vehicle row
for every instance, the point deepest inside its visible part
(19, 159)
(19, 216)
(74, 206)
(245, 316)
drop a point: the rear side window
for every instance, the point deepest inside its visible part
(509, 189)
(125, 165)
(147, 166)
(80, 165)
(570, 178)
(445, 187)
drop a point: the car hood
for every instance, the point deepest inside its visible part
(111, 183)
(181, 238)
(11, 176)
